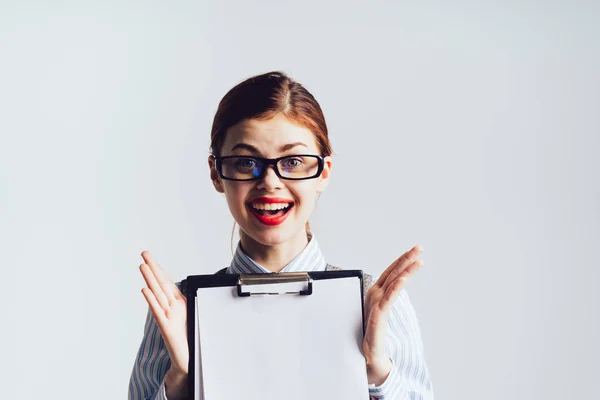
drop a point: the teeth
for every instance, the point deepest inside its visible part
(270, 206)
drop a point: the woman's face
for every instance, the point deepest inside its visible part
(267, 139)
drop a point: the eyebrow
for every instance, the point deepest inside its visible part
(283, 148)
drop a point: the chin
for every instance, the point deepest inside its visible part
(270, 236)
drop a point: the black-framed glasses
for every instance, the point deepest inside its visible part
(249, 168)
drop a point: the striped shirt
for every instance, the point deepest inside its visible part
(408, 380)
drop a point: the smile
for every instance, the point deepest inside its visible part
(271, 213)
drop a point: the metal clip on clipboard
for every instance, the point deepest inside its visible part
(262, 279)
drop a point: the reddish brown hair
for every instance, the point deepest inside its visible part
(262, 97)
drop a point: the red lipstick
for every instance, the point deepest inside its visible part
(267, 219)
(270, 200)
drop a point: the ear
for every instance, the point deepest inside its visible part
(214, 175)
(325, 175)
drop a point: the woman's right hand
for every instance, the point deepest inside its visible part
(168, 306)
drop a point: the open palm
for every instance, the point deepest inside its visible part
(168, 305)
(378, 303)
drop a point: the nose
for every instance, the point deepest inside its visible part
(270, 181)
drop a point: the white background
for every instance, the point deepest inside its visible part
(471, 128)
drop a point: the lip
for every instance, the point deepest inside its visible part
(270, 200)
(266, 220)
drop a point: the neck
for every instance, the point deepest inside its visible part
(274, 257)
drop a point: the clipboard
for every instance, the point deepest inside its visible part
(276, 336)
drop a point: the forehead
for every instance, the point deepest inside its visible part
(269, 136)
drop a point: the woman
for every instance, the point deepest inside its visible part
(271, 157)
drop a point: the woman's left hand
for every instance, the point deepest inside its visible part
(378, 302)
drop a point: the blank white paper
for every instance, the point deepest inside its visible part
(281, 346)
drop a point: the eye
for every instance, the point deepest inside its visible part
(292, 162)
(245, 163)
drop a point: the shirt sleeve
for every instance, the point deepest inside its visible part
(409, 378)
(151, 364)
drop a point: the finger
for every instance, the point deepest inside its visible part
(157, 311)
(396, 286)
(410, 254)
(154, 286)
(398, 266)
(163, 280)
(376, 293)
